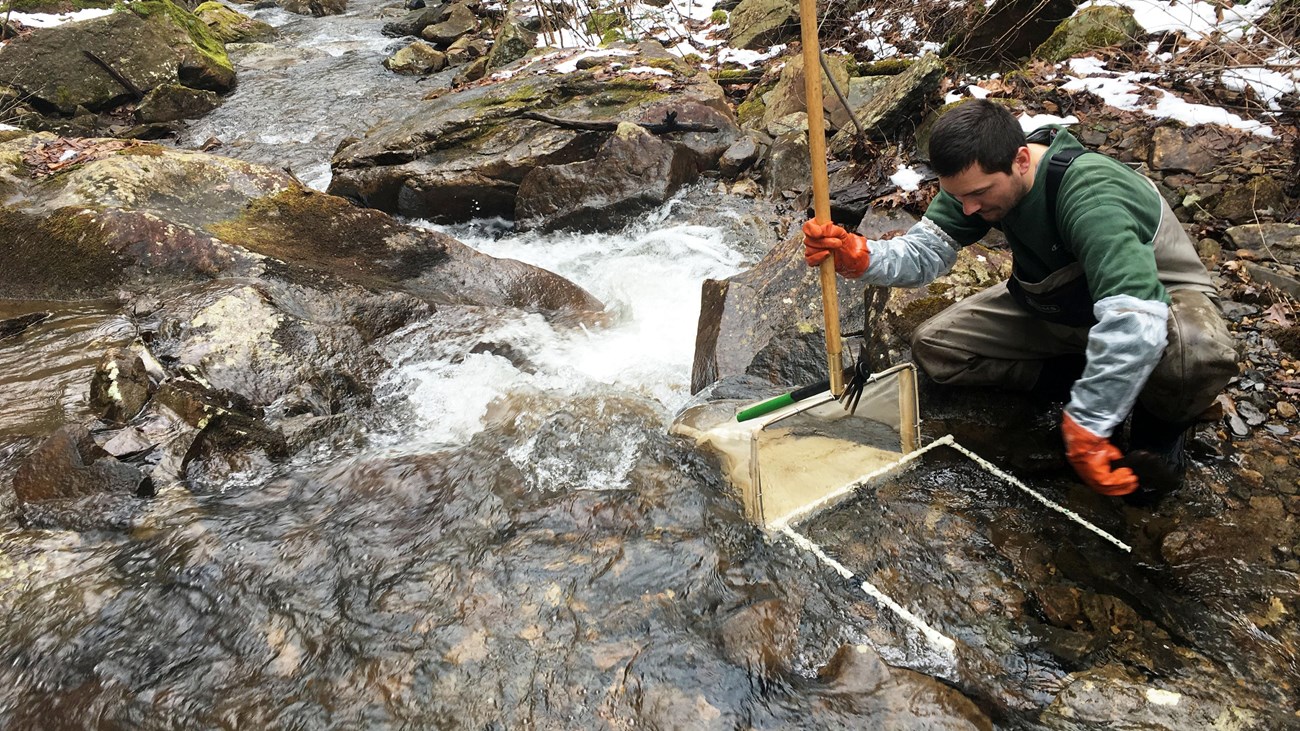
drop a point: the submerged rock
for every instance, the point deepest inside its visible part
(69, 465)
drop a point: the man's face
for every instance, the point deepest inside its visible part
(990, 195)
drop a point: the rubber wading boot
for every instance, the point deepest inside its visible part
(1157, 453)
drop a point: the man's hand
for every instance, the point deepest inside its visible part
(821, 240)
(1092, 456)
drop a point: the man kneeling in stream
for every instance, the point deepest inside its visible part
(1101, 268)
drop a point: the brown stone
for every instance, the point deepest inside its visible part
(69, 465)
(1177, 148)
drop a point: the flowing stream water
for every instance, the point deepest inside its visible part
(518, 542)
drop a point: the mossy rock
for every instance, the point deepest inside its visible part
(1092, 28)
(150, 43)
(512, 42)
(758, 24)
(232, 26)
(170, 102)
(59, 255)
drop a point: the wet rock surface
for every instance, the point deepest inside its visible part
(464, 154)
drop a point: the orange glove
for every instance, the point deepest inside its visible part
(820, 240)
(1092, 456)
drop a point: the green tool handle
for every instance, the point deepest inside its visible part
(773, 404)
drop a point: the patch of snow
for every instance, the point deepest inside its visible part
(1122, 92)
(906, 178)
(1267, 84)
(648, 70)
(8, 128)
(1087, 66)
(49, 20)
(1195, 19)
(749, 59)
(978, 92)
(1030, 122)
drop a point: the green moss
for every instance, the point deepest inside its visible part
(750, 111)
(204, 40)
(145, 149)
(718, 17)
(1092, 28)
(599, 23)
(919, 310)
(327, 234)
(60, 254)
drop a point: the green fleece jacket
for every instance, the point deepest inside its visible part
(1107, 215)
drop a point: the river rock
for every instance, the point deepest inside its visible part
(121, 385)
(1090, 29)
(1109, 695)
(1188, 149)
(464, 154)
(893, 104)
(459, 21)
(417, 59)
(1279, 242)
(787, 169)
(633, 172)
(787, 96)
(857, 678)
(767, 322)
(740, 156)
(170, 102)
(69, 465)
(465, 49)
(512, 42)
(1259, 197)
(133, 213)
(1009, 31)
(315, 8)
(762, 636)
(756, 24)
(416, 21)
(232, 26)
(149, 43)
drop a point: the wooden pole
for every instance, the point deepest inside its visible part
(821, 187)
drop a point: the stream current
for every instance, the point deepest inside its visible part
(517, 542)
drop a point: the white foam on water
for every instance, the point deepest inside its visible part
(649, 278)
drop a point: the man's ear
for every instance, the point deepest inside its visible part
(1021, 160)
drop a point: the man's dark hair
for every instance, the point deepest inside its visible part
(975, 131)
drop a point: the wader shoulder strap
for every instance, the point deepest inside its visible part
(1056, 167)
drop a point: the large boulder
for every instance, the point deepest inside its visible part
(1006, 32)
(147, 43)
(232, 26)
(767, 321)
(893, 104)
(465, 153)
(133, 213)
(314, 8)
(787, 97)
(460, 21)
(417, 59)
(633, 172)
(512, 42)
(1090, 29)
(756, 24)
